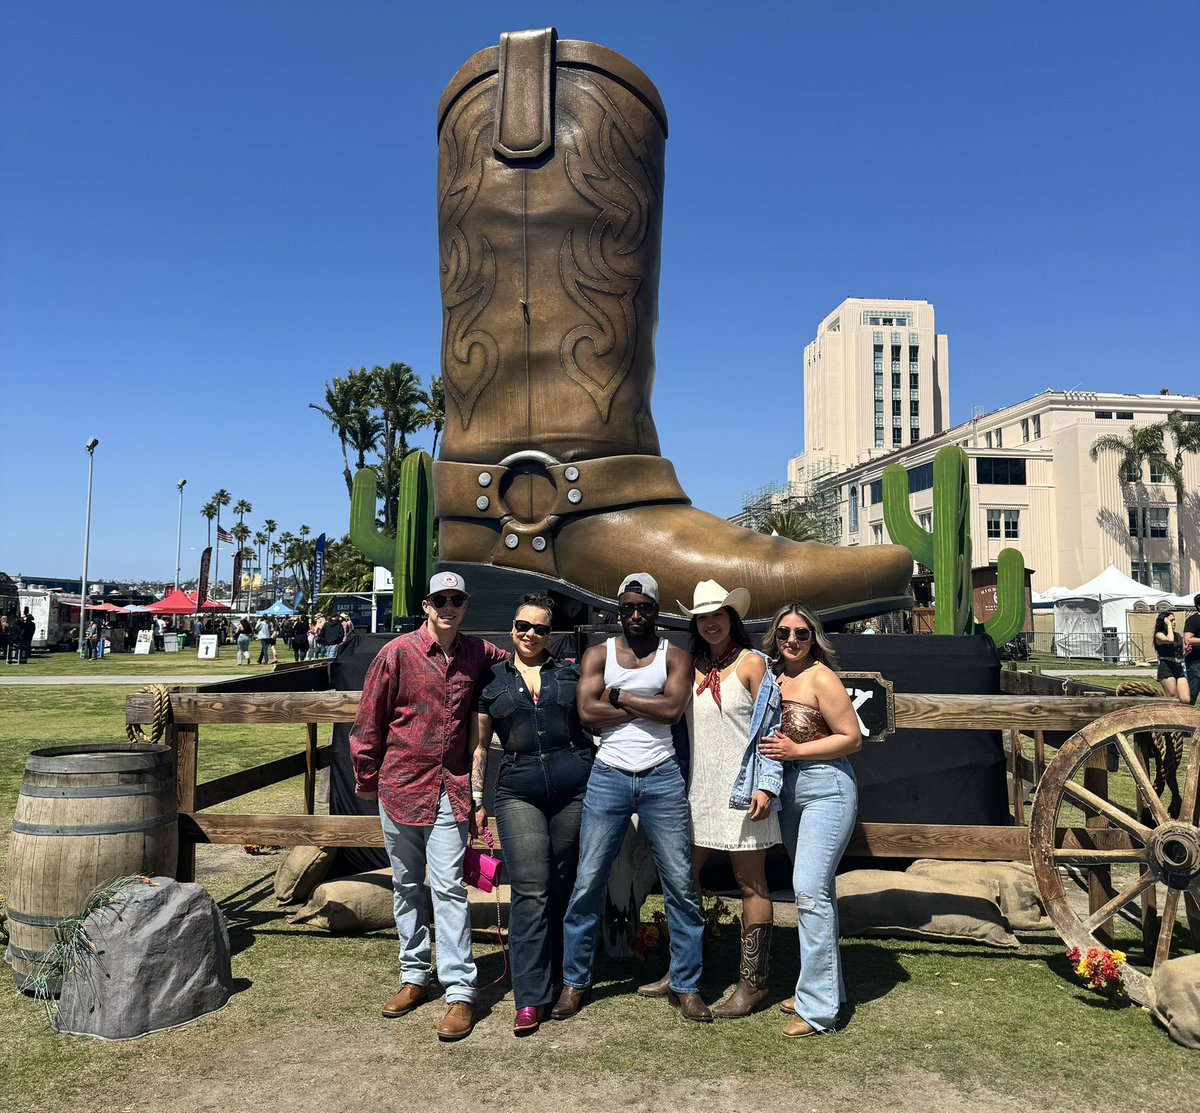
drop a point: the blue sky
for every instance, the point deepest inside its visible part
(207, 210)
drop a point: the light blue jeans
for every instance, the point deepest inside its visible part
(820, 802)
(439, 849)
(659, 799)
(243, 649)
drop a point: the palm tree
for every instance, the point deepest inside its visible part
(1185, 437)
(209, 510)
(219, 499)
(1141, 446)
(437, 409)
(241, 508)
(240, 532)
(341, 404)
(363, 435)
(396, 390)
(790, 523)
(271, 526)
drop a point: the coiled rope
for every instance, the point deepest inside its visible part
(162, 716)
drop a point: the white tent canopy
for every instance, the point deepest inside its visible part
(1080, 614)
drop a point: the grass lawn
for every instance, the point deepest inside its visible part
(130, 664)
(933, 1027)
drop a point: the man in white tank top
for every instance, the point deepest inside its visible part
(632, 690)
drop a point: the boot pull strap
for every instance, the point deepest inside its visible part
(524, 95)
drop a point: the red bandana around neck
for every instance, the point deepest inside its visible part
(712, 671)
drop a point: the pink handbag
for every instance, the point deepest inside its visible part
(482, 870)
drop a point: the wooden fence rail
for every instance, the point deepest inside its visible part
(191, 710)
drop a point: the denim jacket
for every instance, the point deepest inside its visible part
(760, 773)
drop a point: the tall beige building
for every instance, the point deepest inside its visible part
(875, 378)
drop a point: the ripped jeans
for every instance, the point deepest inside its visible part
(820, 802)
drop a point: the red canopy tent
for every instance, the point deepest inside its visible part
(180, 602)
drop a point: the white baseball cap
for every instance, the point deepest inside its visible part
(447, 581)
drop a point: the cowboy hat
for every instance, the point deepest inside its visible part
(710, 596)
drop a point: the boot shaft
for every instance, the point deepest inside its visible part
(550, 179)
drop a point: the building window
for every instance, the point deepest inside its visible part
(996, 469)
(877, 356)
(1024, 430)
(1124, 415)
(896, 342)
(987, 439)
(999, 438)
(853, 510)
(925, 521)
(1004, 523)
(1103, 414)
(1012, 525)
(835, 325)
(895, 407)
(1156, 522)
(896, 380)
(1159, 575)
(914, 409)
(914, 434)
(897, 435)
(914, 381)
(877, 535)
(1037, 426)
(993, 525)
(879, 433)
(876, 492)
(914, 338)
(1157, 475)
(920, 478)
(877, 338)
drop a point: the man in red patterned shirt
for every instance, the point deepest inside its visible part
(409, 747)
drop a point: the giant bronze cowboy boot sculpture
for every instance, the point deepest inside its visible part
(550, 190)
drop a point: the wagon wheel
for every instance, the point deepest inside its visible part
(1131, 843)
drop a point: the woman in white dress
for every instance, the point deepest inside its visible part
(733, 790)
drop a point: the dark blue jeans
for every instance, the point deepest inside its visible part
(539, 802)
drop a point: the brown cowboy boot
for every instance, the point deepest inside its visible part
(550, 187)
(751, 990)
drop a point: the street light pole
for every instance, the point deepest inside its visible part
(87, 539)
(179, 532)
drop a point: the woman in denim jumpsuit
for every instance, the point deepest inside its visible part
(820, 801)
(530, 703)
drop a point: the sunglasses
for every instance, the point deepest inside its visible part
(523, 627)
(783, 635)
(439, 601)
(628, 610)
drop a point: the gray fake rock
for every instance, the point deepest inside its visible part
(159, 957)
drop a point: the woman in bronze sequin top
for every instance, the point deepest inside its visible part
(819, 799)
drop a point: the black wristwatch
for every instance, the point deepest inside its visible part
(614, 696)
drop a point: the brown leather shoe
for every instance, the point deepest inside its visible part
(788, 1007)
(691, 1006)
(656, 989)
(796, 1029)
(458, 1022)
(409, 997)
(569, 1002)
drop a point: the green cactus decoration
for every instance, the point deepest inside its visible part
(947, 550)
(410, 552)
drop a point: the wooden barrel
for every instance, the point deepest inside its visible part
(86, 815)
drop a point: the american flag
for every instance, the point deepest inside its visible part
(224, 535)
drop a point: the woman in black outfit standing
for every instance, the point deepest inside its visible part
(529, 701)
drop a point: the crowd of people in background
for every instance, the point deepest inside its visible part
(16, 637)
(309, 638)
